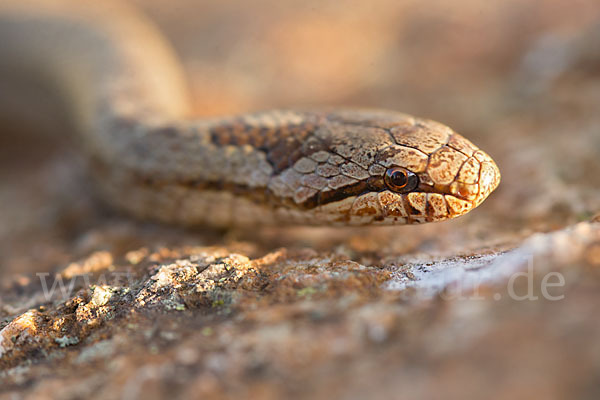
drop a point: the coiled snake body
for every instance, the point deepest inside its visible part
(129, 100)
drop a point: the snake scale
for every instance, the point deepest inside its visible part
(150, 157)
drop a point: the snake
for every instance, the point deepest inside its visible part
(150, 157)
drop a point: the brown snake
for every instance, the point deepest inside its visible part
(130, 102)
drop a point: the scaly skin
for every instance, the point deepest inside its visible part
(153, 160)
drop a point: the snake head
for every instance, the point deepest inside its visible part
(374, 167)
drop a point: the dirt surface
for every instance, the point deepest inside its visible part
(498, 304)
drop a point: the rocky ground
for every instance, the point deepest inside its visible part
(498, 304)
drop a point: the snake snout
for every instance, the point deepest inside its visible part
(462, 173)
(489, 178)
(477, 178)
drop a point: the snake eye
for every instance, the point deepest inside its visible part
(401, 180)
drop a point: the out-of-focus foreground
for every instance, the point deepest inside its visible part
(500, 303)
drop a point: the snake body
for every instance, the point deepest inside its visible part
(151, 158)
